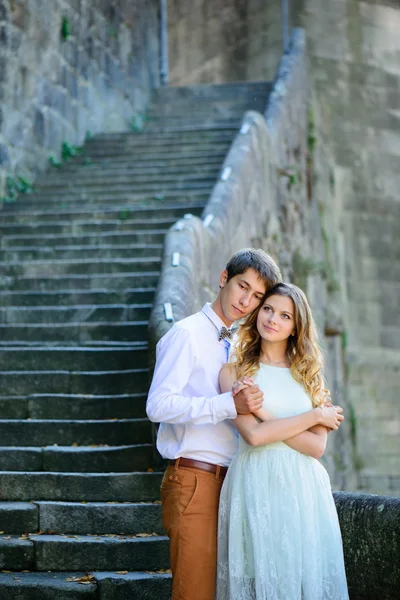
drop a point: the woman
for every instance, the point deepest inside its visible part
(279, 536)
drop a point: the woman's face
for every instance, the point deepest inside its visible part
(275, 321)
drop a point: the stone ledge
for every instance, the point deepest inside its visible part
(371, 540)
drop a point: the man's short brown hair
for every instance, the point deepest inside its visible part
(259, 261)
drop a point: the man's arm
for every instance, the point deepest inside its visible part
(176, 360)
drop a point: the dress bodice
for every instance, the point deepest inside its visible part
(283, 397)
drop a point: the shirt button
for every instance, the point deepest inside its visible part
(175, 479)
(170, 478)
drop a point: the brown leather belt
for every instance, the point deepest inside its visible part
(199, 464)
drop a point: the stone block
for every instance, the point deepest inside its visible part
(367, 522)
(16, 554)
(100, 518)
(45, 586)
(145, 586)
(19, 517)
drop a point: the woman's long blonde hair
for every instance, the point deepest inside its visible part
(303, 350)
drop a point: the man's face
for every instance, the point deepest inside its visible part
(241, 295)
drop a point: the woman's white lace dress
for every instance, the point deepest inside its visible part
(278, 533)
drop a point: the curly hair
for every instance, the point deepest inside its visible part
(303, 351)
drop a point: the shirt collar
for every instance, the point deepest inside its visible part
(207, 310)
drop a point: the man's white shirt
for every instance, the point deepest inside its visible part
(184, 395)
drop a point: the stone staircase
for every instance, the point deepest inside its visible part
(79, 263)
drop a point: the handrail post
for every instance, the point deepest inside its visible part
(163, 43)
(285, 25)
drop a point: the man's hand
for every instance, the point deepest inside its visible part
(331, 416)
(248, 399)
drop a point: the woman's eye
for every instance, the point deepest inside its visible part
(267, 308)
(286, 316)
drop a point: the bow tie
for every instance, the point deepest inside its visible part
(225, 334)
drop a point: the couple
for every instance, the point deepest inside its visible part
(276, 535)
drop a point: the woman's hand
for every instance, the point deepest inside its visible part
(240, 384)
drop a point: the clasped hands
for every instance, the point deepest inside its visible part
(248, 398)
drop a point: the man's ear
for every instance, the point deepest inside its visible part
(223, 278)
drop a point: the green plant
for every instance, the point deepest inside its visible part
(54, 162)
(138, 121)
(65, 28)
(311, 134)
(293, 175)
(70, 150)
(14, 186)
(124, 214)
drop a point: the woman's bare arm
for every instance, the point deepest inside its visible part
(311, 442)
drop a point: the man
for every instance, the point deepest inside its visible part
(196, 432)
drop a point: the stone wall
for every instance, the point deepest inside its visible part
(223, 40)
(354, 50)
(68, 68)
(267, 201)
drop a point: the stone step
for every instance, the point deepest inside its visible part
(124, 165)
(16, 553)
(18, 517)
(126, 184)
(164, 126)
(80, 487)
(101, 586)
(76, 298)
(156, 157)
(124, 238)
(83, 266)
(121, 193)
(147, 208)
(112, 226)
(95, 517)
(83, 518)
(78, 358)
(60, 458)
(130, 138)
(22, 383)
(78, 552)
(130, 176)
(36, 432)
(210, 91)
(46, 586)
(112, 252)
(73, 406)
(203, 112)
(75, 313)
(144, 149)
(95, 281)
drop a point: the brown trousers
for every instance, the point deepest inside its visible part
(190, 500)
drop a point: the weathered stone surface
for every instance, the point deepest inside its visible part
(61, 89)
(15, 553)
(132, 586)
(46, 586)
(101, 518)
(19, 517)
(53, 552)
(78, 487)
(356, 44)
(371, 539)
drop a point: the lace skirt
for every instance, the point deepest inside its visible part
(278, 531)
